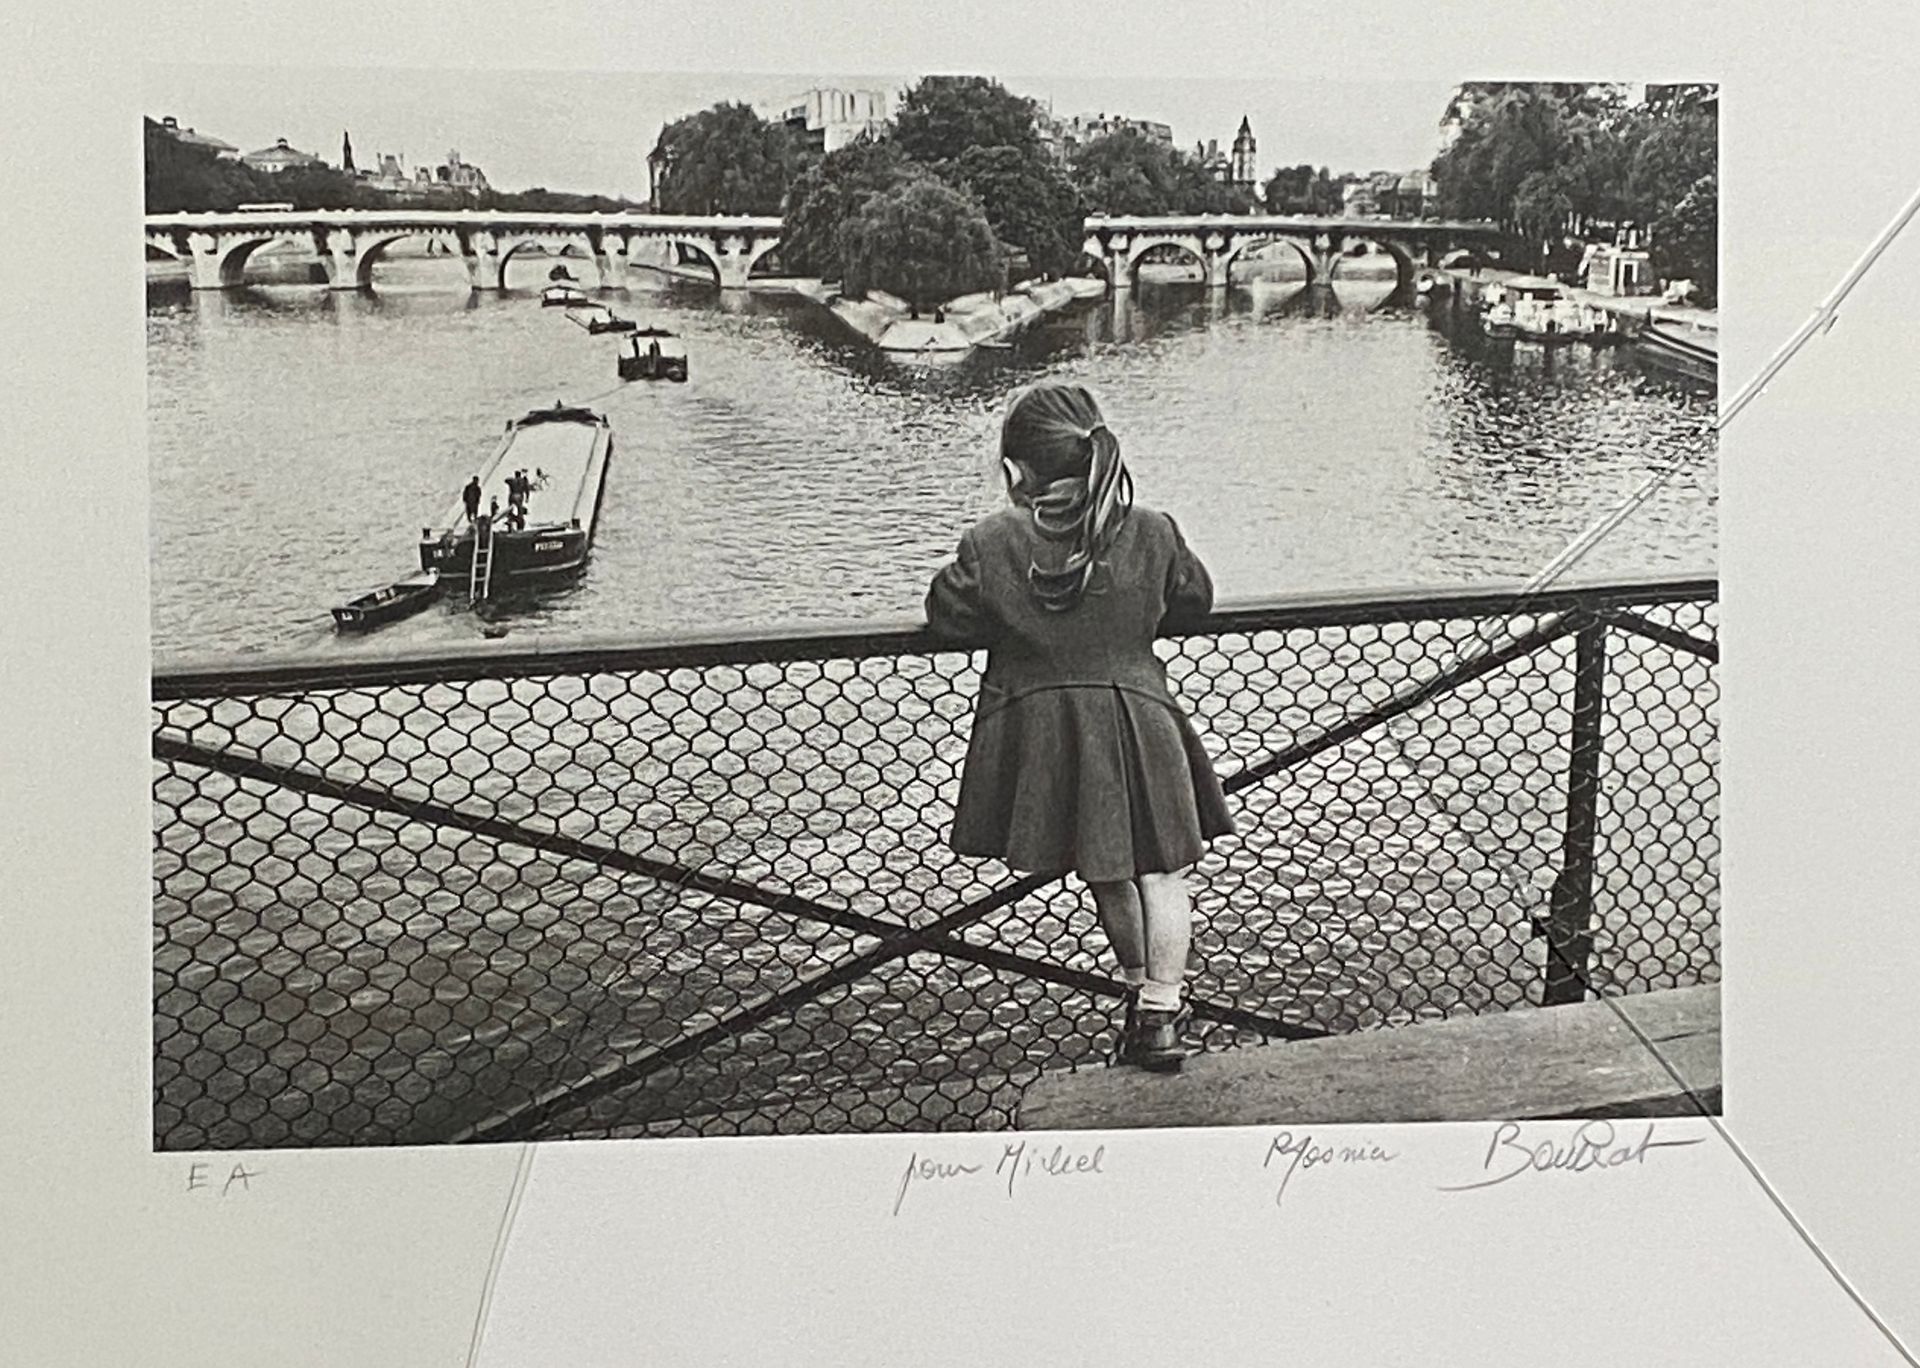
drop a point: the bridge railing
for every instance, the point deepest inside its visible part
(700, 886)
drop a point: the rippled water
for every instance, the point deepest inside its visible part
(299, 440)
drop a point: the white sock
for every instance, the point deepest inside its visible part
(1133, 975)
(1160, 997)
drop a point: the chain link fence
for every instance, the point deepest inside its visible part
(701, 888)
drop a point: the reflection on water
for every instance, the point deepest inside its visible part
(1306, 439)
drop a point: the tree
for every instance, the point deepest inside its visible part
(941, 117)
(1127, 173)
(1686, 239)
(1028, 202)
(831, 191)
(182, 178)
(318, 187)
(922, 240)
(726, 160)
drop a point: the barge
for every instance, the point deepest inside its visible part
(1688, 351)
(653, 354)
(562, 454)
(1538, 310)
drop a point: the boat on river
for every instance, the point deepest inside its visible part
(565, 297)
(609, 323)
(564, 452)
(1534, 309)
(400, 599)
(1682, 348)
(654, 354)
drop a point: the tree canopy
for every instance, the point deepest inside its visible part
(829, 192)
(1548, 162)
(1301, 190)
(726, 160)
(183, 178)
(1126, 172)
(941, 117)
(922, 240)
(1028, 201)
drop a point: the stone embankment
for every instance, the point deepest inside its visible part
(957, 327)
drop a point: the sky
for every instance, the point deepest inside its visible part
(590, 131)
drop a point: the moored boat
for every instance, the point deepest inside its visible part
(544, 532)
(1679, 347)
(1533, 309)
(565, 297)
(399, 599)
(611, 323)
(654, 354)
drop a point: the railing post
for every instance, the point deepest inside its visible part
(1570, 914)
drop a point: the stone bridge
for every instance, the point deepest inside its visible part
(348, 242)
(1216, 241)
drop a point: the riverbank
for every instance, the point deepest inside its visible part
(957, 327)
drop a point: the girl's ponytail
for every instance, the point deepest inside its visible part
(1071, 478)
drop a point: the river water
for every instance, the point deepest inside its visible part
(1306, 441)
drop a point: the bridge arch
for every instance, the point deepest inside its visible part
(232, 252)
(371, 247)
(512, 244)
(1242, 246)
(1188, 244)
(704, 248)
(758, 251)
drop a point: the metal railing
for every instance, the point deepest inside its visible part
(701, 886)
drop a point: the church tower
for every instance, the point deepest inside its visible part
(1244, 174)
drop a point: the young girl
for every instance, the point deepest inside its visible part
(1081, 760)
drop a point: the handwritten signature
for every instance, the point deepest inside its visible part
(1016, 1162)
(1596, 1146)
(1303, 1154)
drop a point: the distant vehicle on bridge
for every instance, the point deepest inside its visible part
(277, 207)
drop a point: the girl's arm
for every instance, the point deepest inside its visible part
(1189, 587)
(955, 609)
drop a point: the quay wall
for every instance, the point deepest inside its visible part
(965, 323)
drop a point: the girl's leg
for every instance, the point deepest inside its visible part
(1167, 914)
(1120, 917)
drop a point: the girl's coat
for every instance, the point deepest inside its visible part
(1080, 758)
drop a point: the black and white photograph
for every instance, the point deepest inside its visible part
(714, 605)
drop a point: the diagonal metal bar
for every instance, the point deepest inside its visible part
(894, 937)
(1666, 636)
(1406, 700)
(504, 829)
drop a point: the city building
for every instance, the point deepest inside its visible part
(826, 119)
(452, 181)
(224, 150)
(1242, 174)
(1212, 160)
(279, 157)
(1064, 137)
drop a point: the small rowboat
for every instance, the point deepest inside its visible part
(612, 323)
(399, 599)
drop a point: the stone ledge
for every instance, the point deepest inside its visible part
(1528, 1064)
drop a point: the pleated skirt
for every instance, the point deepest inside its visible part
(1101, 780)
